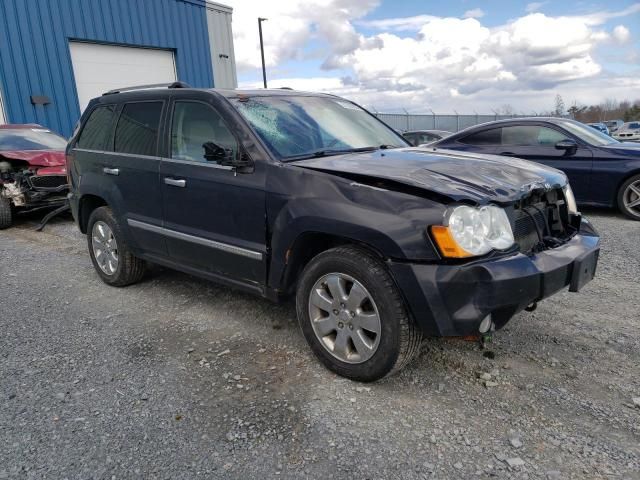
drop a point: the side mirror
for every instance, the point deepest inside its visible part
(224, 156)
(215, 153)
(569, 146)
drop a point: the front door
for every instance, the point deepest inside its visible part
(538, 144)
(214, 217)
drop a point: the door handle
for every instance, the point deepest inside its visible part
(111, 171)
(508, 154)
(174, 182)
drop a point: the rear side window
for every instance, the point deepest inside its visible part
(411, 138)
(95, 134)
(485, 137)
(425, 138)
(137, 130)
(531, 135)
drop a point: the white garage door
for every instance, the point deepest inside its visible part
(100, 68)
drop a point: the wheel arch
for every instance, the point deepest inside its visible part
(87, 204)
(308, 245)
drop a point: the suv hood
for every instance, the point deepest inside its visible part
(456, 175)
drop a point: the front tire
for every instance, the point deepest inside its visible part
(111, 256)
(353, 316)
(6, 213)
(629, 198)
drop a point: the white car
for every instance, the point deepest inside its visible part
(613, 125)
(629, 132)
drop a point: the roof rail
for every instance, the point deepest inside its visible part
(148, 87)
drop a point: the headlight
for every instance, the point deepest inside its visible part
(571, 200)
(469, 231)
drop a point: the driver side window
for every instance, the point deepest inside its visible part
(194, 125)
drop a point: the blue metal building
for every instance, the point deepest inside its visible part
(55, 54)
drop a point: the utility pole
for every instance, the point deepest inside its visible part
(264, 71)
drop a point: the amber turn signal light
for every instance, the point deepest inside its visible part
(446, 244)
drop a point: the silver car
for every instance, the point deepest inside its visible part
(629, 132)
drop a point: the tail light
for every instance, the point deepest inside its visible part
(68, 164)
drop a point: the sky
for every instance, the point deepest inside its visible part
(447, 56)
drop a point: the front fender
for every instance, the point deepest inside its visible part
(392, 223)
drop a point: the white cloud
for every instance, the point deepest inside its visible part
(534, 6)
(527, 101)
(601, 17)
(446, 63)
(291, 25)
(474, 13)
(398, 24)
(463, 53)
(621, 34)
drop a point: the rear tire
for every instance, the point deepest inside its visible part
(363, 280)
(6, 213)
(628, 195)
(110, 254)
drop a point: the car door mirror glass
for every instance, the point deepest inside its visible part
(215, 153)
(225, 156)
(568, 146)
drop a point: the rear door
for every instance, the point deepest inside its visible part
(133, 166)
(214, 217)
(537, 143)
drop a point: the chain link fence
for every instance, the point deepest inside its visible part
(451, 123)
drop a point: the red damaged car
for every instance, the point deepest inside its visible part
(33, 174)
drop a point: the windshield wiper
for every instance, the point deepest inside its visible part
(327, 153)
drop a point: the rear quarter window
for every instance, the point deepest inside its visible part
(97, 128)
(137, 129)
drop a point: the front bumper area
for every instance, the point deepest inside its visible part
(452, 300)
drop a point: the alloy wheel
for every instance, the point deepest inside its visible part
(345, 318)
(631, 198)
(105, 247)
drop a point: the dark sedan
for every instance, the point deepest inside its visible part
(421, 137)
(602, 170)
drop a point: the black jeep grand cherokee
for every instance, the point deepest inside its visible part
(280, 193)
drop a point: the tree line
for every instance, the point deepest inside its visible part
(610, 109)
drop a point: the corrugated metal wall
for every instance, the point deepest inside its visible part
(34, 47)
(221, 39)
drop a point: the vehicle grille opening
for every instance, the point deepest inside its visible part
(541, 221)
(48, 182)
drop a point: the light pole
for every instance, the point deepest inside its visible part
(264, 71)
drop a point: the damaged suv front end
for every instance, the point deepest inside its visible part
(498, 236)
(537, 246)
(32, 170)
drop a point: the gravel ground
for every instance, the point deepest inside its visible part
(179, 378)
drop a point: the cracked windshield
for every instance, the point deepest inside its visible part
(299, 126)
